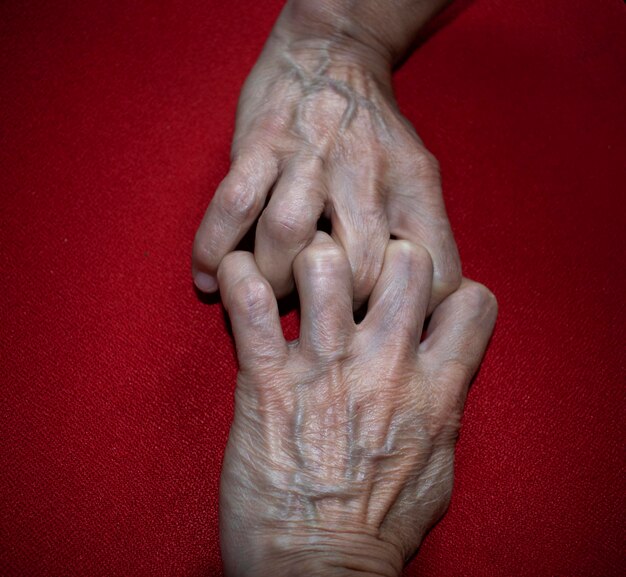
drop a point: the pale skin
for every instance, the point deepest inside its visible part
(340, 455)
(318, 132)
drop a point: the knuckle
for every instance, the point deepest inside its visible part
(252, 296)
(326, 256)
(478, 297)
(285, 225)
(414, 257)
(239, 200)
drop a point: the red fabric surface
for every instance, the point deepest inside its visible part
(117, 381)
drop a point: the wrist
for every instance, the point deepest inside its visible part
(386, 28)
(325, 553)
(309, 30)
(330, 19)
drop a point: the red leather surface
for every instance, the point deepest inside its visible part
(117, 382)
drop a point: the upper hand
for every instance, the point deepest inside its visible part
(318, 133)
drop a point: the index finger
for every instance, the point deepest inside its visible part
(236, 205)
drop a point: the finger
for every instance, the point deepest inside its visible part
(458, 334)
(417, 213)
(324, 284)
(234, 208)
(253, 311)
(399, 301)
(359, 225)
(289, 223)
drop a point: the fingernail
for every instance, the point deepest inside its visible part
(205, 283)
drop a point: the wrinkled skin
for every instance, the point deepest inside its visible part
(318, 132)
(340, 456)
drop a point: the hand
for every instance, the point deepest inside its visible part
(340, 455)
(318, 133)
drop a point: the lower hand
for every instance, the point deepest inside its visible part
(340, 456)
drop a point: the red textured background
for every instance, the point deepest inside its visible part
(117, 382)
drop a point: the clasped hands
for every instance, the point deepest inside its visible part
(340, 455)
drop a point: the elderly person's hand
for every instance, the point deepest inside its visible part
(340, 456)
(318, 132)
